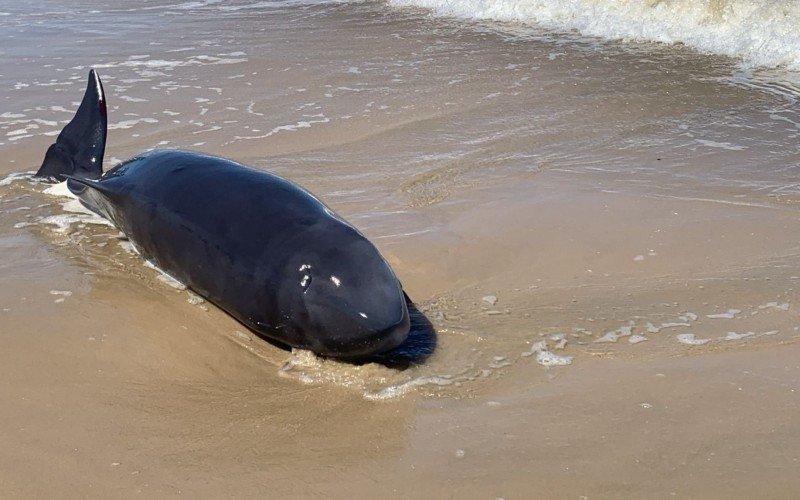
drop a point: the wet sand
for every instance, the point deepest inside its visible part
(632, 208)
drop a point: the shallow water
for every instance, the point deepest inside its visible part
(620, 205)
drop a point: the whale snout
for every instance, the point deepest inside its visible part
(345, 331)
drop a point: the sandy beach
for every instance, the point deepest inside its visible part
(602, 233)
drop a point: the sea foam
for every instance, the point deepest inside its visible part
(759, 32)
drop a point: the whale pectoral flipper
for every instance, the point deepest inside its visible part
(94, 195)
(79, 148)
(78, 184)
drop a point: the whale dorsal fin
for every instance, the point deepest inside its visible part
(79, 149)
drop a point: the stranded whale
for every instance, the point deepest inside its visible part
(260, 247)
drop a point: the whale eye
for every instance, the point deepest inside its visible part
(305, 279)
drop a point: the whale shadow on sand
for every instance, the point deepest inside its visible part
(418, 346)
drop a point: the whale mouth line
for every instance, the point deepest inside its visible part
(384, 342)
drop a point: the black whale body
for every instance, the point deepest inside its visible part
(260, 247)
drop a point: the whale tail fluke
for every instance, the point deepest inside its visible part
(79, 149)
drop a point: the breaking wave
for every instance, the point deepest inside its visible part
(759, 32)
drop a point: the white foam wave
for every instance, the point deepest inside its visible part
(164, 276)
(130, 123)
(60, 190)
(760, 32)
(290, 128)
(690, 339)
(374, 381)
(395, 391)
(74, 211)
(63, 222)
(144, 65)
(14, 177)
(275, 4)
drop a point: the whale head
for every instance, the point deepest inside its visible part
(345, 300)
